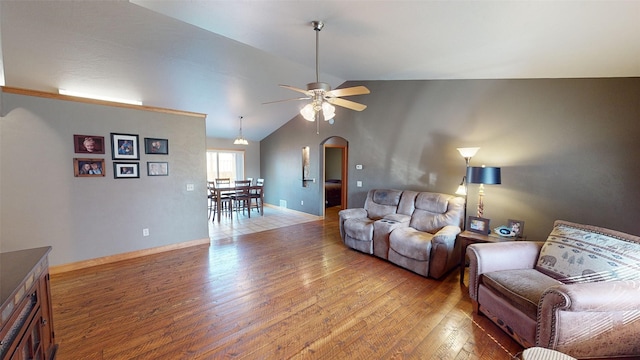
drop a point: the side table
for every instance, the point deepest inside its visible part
(468, 237)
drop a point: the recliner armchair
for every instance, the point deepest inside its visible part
(578, 292)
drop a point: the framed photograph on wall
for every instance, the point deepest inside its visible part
(124, 147)
(157, 168)
(88, 144)
(156, 146)
(88, 167)
(478, 225)
(126, 170)
(517, 226)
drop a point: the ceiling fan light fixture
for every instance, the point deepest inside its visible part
(320, 94)
(308, 112)
(328, 110)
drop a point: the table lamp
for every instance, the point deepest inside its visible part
(483, 175)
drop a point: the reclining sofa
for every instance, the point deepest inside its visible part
(415, 230)
(578, 292)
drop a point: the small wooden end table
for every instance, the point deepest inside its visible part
(468, 237)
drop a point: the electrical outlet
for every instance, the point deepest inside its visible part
(189, 187)
(359, 183)
(301, 202)
(145, 232)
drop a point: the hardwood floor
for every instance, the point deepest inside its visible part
(294, 292)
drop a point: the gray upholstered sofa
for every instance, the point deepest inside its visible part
(415, 230)
(578, 292)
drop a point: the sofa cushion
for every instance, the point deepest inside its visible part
(431, 214)
(582, 253)
(522, 288)
(411, 243)
(382, 202)
(407, 202)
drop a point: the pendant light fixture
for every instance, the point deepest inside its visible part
(240, 140)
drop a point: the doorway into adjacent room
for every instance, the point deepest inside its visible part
(335, 151)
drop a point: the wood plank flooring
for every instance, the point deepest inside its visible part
(290, 293)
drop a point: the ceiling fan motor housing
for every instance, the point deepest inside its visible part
(319, 86)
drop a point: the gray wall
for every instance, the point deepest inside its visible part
(84, 218)
(568, 148)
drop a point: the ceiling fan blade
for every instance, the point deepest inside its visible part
(356, 90)
(278, 101)
(347, 104)
(306, 92)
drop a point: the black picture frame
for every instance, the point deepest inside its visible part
(88, 144)
(156, 146)
(124, 147)
(478, 225)
(126, 170)
(157, 168)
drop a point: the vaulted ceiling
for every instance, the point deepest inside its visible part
(226, 58)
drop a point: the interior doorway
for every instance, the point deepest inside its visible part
(334, 174)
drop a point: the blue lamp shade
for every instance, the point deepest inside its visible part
(483, 175)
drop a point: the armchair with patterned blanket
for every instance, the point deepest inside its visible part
(578, 292)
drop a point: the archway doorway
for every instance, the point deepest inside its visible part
(334, 172)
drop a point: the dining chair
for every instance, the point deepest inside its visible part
(223, 182)
(212, 198)
(242, 196)
(257, 195)
(225, 198)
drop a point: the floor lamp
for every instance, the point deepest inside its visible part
(467, 154)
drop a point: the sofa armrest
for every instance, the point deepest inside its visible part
(446, 236)
(445, 252)
(346, 214)
(588, 316)
(356, 213)
(510, 255)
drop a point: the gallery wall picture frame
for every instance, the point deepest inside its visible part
(84, 167)
(478, 225)
(156, 146)
(88, 144)
(126, 170)
(124, 147)
(517, 226)
(157, 168)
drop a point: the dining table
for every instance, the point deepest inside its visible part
(221, 190)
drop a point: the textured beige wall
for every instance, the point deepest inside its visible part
(43, 203)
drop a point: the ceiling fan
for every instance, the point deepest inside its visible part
(320, 93)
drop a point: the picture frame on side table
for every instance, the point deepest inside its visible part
(88, 144)
(124, 147)
(157, 168)
(478, 225)
(126, 170)
(156, 146)
(517, 226)
(88, 167)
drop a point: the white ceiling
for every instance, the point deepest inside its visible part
(226, 58)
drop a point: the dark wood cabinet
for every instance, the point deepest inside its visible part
(27, 324)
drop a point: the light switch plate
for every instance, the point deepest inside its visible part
(359, 183)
